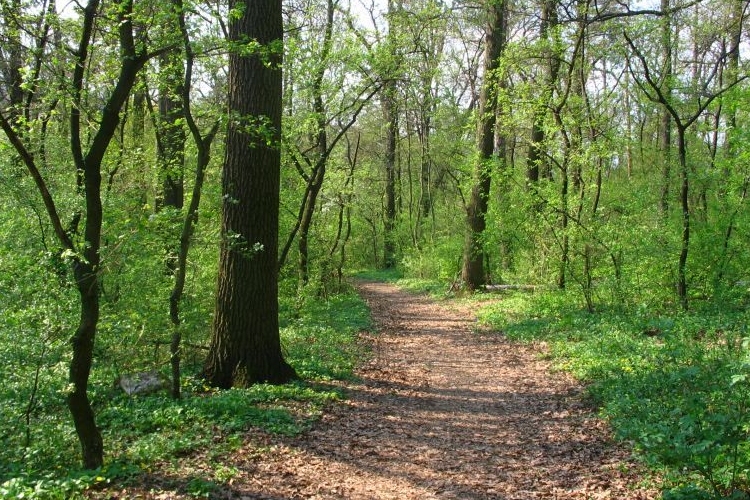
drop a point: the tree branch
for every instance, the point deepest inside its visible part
(49, 202)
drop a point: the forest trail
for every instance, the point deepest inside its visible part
(443, 413)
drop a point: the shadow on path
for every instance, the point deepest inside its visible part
(440, 412)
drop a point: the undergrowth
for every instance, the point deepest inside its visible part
(40, 460)
(675, 386)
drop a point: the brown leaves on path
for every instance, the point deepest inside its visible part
(441, 412)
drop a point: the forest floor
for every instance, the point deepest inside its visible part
(439, 411)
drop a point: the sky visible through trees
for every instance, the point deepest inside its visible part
(592, 149)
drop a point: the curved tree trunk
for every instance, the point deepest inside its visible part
(203, 145)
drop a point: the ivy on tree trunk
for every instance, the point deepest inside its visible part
(473, 273)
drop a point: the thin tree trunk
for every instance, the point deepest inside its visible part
(86, 269)
(425, 167)
(390, 116)
(656, 94)
(170, 132)
(203, 145)
(344, 219)
(682, 286)
(89, 437)
(665, 124)
(536, 164)
(731, 144)
(565, 255)
(319, 172)
(311, 197)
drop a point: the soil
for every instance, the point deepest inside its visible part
(441, 411)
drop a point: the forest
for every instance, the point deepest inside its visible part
(191, 188)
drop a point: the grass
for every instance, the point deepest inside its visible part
(321, 343)
(674, 386)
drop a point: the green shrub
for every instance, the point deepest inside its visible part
(675, 386)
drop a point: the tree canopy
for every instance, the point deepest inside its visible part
(595, 148)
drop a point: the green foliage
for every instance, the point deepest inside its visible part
(674, 385)
(322, 342)
(389, 275)
(38, 458)
(142, 430)
(440, 261)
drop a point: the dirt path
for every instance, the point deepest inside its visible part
(442, 413)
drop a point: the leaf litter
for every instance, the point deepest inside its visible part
(437, 412)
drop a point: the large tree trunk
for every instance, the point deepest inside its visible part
(390, 118)
(473, 272)
(245, 345)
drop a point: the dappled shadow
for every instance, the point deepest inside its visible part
(162, 486)
(442, 413)
(438, 412)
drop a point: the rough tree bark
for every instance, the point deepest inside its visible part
(245, 345)
(389, 108)
(390, 117)
(473, 273)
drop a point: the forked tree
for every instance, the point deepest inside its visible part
(650, 85)
(87, 157)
